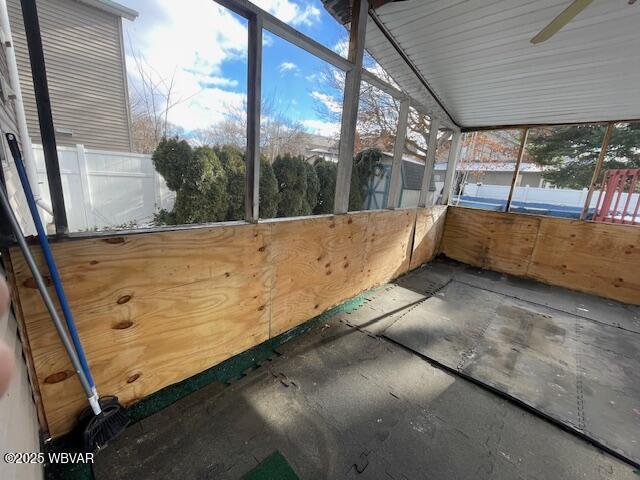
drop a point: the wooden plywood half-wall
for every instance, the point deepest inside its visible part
(598, 258)
(155, 308)
(428, 234)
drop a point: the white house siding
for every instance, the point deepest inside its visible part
(85, 71)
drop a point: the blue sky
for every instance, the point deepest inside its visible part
(202, 47)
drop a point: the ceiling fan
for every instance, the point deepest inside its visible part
(561, 20)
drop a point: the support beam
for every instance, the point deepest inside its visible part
(254, 84)
(350, 104)
(248, 10)
(380, 84)
(45, 117)
(454, 153)
(484, 128)
(596, 172)
(395, 186)
(516, 172)
(429, 165)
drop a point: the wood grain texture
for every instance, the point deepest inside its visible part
(388, 245)
(429, 228)
(494, 240)
(318, 263)
(155, 308)
(151, 310)
(598, 258)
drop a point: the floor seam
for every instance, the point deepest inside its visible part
(546, 306)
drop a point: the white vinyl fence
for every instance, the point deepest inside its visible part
(105, 189)
(551, 196)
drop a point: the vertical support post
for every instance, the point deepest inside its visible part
(254, 85)
(596, 172)
(359, 12)
(395, 187)
(87, 200)
(430, 162)
(45, 117)
(516, 172)
(454, 153)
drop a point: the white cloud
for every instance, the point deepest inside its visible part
(290, 12)
(287, 66)
(328, 101)
(320, 127)
(342, 47)
(222, 81)
(188, 41)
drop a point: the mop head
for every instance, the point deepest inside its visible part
(99, 430)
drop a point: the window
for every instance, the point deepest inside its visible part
(301, 112)
(375, 138)
(621, 168)
(175, 152)
(312, 19)
(414, 157)
(443, 147)
(557, 168)
(485, 169)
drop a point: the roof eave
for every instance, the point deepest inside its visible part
(112, 7)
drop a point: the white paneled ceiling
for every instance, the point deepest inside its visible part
(476, 57)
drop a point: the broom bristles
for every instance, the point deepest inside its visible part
(99, 430)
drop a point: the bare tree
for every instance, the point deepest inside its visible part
(278, 133)
(152, 97)
(378, 114)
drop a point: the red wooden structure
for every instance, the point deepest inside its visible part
(619, 198)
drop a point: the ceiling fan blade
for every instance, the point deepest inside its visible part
(561, 20)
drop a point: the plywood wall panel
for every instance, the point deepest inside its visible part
(429, 228)
(388, 245)
(492, 240)
(155, 308)
(318, 263)
(598, 258)
(151, 309)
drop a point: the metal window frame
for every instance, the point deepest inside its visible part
(45, 117)
(259, 20)
(516, 171)
(454, 154)
(395, 187)
(430, 162)
(254, 98)
(354, 70)
(523, 144)
(350, 104)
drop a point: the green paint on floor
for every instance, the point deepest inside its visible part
(274, 467)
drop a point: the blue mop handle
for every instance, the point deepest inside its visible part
(48, 255)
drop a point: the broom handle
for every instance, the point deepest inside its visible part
(46, 250)
(17, 231)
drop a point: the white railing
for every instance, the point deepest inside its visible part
(105, 188)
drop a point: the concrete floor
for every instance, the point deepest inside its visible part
(360, 396)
